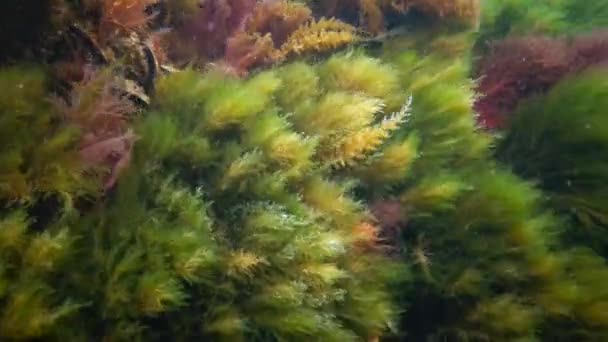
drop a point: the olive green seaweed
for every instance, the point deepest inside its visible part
(558, 140)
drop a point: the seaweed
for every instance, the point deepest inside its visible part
(555, 140)
(517, 68)
(339, 188)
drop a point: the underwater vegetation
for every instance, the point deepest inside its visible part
(31, 170)
(480, 240)
(371, 14)
(241, 228)
(520, 67)
(526, 47)
(501, 18)
(556, 140)
(102, 115)
(277, 170)
(241, 35)
(41, 178)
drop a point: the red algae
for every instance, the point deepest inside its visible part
(519, 67)
(208, 30)
(122, 16)
(103, 116)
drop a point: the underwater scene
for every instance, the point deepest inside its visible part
(314, 170)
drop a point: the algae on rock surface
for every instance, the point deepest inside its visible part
(341, 197)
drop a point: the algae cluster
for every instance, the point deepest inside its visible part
(346, 191)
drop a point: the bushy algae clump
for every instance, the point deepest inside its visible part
(286, 251)
(31, 169)
(557, 140)
(41, 178)
(235, 219)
